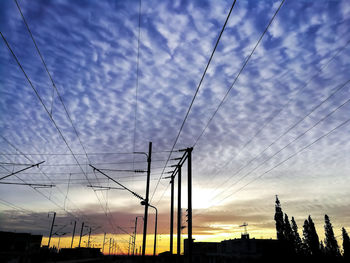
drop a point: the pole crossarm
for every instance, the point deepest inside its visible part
(33, 185)
(179, 164)
(124, 187)
(57, 231)
(104, 187)
(189, 204)
(31, 166)
(121, 170)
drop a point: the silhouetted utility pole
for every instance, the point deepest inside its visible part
(110, 243)
(75, 223)
(179, 211)
(81, 233)
(189, 206)
(172, 215)
(52, 224)
(135, 231)
(103, 244)
(172, 182)
(88, 244)
(145, 217)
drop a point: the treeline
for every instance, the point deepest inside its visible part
(309, 246)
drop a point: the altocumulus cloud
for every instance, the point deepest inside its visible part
(91, 47)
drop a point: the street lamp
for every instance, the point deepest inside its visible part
(133, 248)
(155, 226)
(59, 239)
(52, 225)
(146, 200)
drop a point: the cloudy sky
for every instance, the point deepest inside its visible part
(279, 126)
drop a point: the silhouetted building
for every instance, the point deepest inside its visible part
(19, 247)
(243, 249)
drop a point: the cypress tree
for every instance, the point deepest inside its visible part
(322, 248)
(331, 244)
(311, 238)
(288, 233)
(296, 237)
(306, 238)
(279, 220)
(346, 244)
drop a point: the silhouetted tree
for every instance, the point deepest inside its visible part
(296, 237)
(346, 244)
(279, 220)
(331, 244)
(306, 238)
(311, 239)
(322, 248)
(287, 231)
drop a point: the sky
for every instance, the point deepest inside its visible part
(270, 117)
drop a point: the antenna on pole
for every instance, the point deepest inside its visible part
(245, 235)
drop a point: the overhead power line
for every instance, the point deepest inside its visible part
(121, 185)
(17, 164)
(16, 172)
(239, 73)
(290, 157)
(43, 173)
(337, 89)
(29, 184)
(344, 123)
(47, 111)
(93, 153)
(46, 197)
(77, 182)
(21, 209)
(49, 114)
(41, 101)
(280, 110)
(52, 81)
(55, 89)
(235, 80)
(196, 92)
(74, 164)
(137, 75)
(288, 144)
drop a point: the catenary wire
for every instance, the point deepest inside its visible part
(337, 89)
(291, 156)
(50, 116)
(280, 110)
(287, 145)
(239, 73)
(280, 163)
(137, 76)
(195, 94)
(235, 80)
